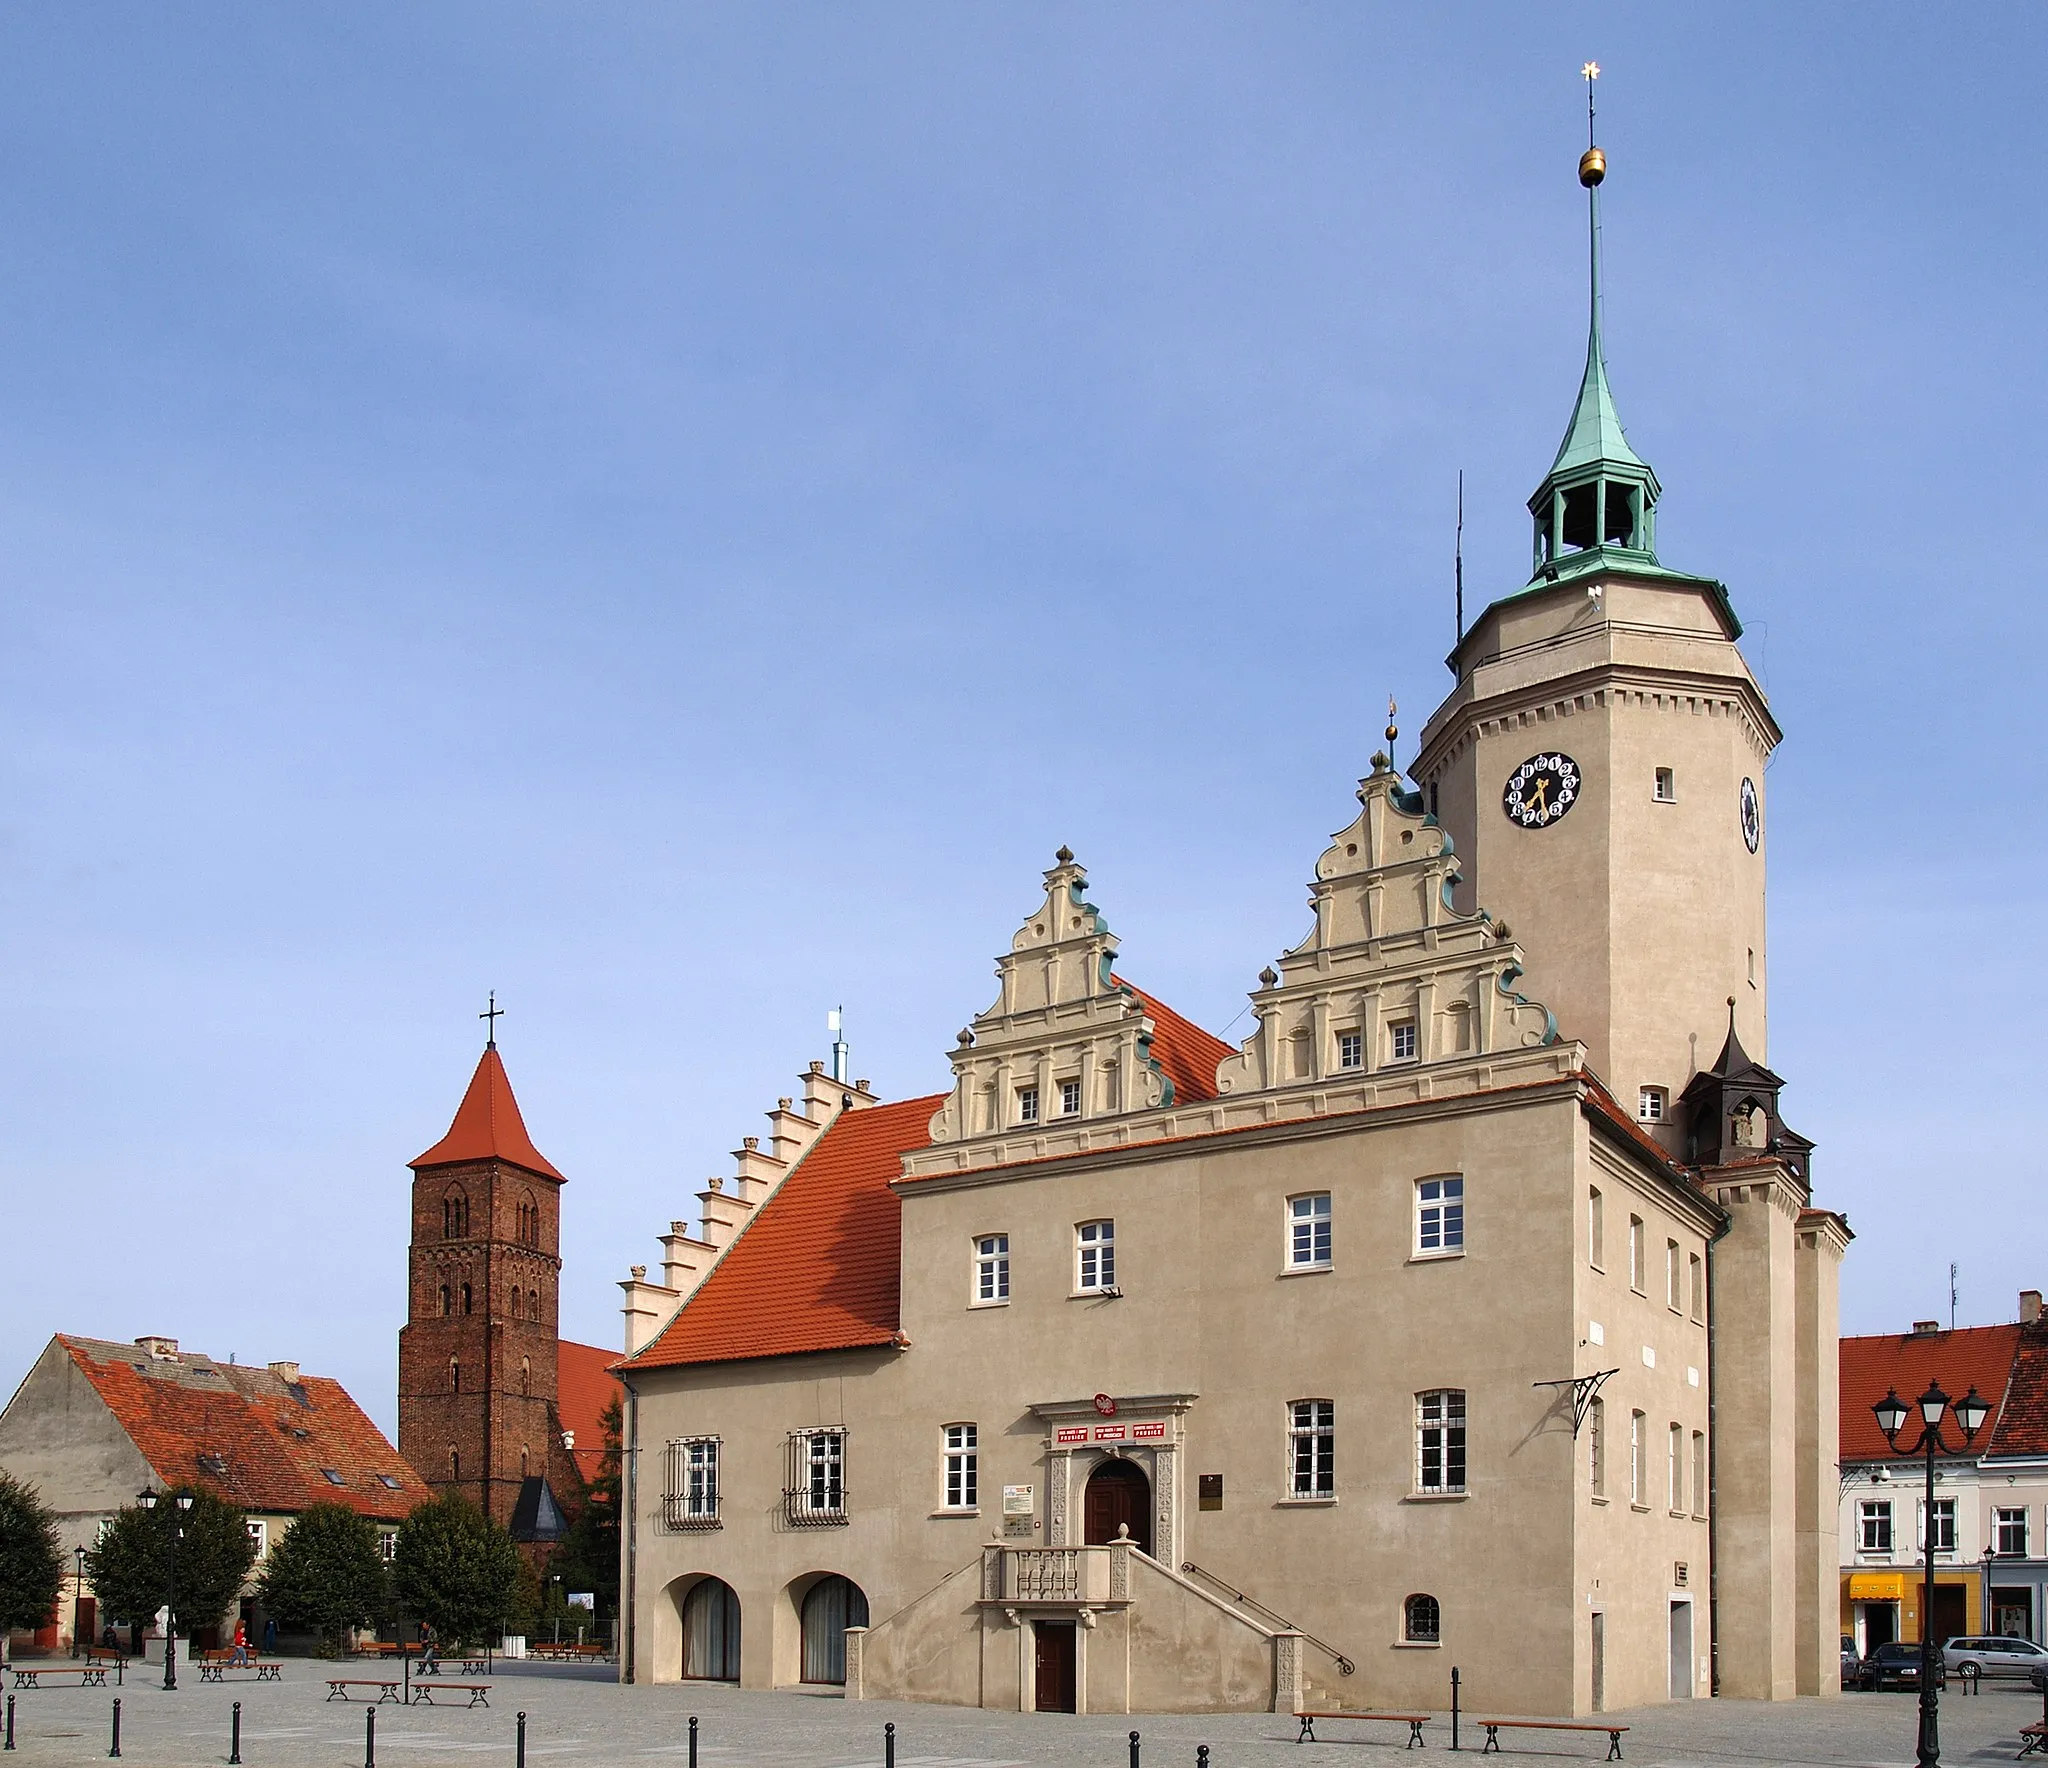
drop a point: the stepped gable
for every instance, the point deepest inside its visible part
(1970, 1356)
(488, 1126)
(259, 1438)
(817, 1268)
(584, 1386)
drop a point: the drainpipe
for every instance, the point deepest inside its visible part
(629, 1634)
(1714, 1472)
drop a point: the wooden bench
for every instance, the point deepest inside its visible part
(424, 1692)
(216, 1665)
(1414, 1722)
(338, 1687)
(557, 1651)
(31, 1675)
(2033, 1740)
(1494, 1727)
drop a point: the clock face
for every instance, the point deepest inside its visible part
(1752, 817)
(1541, 790)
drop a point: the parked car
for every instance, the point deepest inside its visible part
(1984, 1656)
(1895, 1664)
(1851, 1663)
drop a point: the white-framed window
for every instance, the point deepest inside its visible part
(963, 1467)
(1650, 1104)
(1664, 786)
(1941, 1537)
(991, 1269)
(1596, 1446)
(1675, 1472)
(1699, 1473)
(1674, 1292)
(1636, 1273)
(1402, 1037)
(1070, 1098)
(1350, 1049)
(1638, 1460)
(259, 1532)
(816, 1492)
(689, 1498)
(387, 1545)
(1027, 1104)
(2010, 1533)
(1596, 1228)
(1874, 1525)
(1094, 1256)
(1440, 1440)
(1440, 1214)
(1312, 1448)
(1308, 1231)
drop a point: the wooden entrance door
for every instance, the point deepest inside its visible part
(1951, 1611)
(1119, 1496)
(1055, 1681)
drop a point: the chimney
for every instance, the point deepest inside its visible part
(1926, 1328)
(2030, 1306)
(159, 1348)
(285, 1372)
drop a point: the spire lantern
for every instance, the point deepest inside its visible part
(1599, 497)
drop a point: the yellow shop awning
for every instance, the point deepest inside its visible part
(1877, 1586)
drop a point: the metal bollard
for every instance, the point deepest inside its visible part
(10, 1721)
(1134, 1750)
(693, 1740)
(235, 1739)
(370, 1739)
(889, 1745)
(116, 1750)
(1201, 1755)
(522, 1741)
(1454, 1706)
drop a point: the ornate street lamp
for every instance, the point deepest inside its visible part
(147, 1499)
(78, 1604)
(1970, 1412)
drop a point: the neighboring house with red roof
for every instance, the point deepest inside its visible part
(1991, 1504)
(94, 1422)
(1389, 1317)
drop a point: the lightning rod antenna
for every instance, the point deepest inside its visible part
(1458, 557)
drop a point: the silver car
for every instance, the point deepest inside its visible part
(1987, 1656)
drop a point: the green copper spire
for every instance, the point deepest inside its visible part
(1599, 497)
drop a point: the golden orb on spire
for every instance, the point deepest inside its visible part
(1592, 167)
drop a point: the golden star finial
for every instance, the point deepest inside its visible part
(1591, 70)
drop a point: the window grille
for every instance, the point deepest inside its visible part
(689, 1497)
(816, 1493)
(1312, 1448)
(1422, 1621)
(1440, 1440)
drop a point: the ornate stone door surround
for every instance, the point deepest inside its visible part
(1146, 1428)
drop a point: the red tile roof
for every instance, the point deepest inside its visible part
(584, 1386)
(258, 1440)
(817, 1267)
(1189, 1054)
(488, 1126)
(2022, 1425)
(1970, 1356)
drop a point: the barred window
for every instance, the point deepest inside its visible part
(963, 1467)
(1422, 1621)
(1440, 1440)
(1312, 1448)
(689, 1499)
(816, 1493)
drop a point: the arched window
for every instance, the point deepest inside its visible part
(522, 1460)
(454, 1463)
(830, 1607)
(533, 1304)
(454, 1214)
(444, 1300)
(465, 1298)
(454, 1376)
(525, 1381)
(711, 1632)
(1422, 1621)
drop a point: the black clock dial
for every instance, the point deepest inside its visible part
(1541, 790)
(1752, 816)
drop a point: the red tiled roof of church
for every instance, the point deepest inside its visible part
(260, 1441)
(584, 1386)
(488, 1126)
(817, 1267)
(1971, 1356)
(1189, 1055)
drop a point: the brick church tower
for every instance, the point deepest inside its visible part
(477, 1357)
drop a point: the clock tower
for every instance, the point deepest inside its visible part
(1600, 766)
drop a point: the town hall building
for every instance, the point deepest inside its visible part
(1474, 1309)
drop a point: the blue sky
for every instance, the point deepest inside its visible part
(674, 513)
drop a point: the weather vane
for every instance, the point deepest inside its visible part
(1591, 72)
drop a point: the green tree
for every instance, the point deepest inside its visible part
(31, 1557)
(455, 1568)
(587, 1557)
(326, 1573)
(131, 1567)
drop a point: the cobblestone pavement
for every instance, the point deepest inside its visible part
(573, 1717)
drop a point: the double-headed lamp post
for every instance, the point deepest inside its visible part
(147, 1499)
(1892, 1412)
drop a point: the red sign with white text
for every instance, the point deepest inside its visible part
(1109, 1433)
(1079, 1434)
(1142, 1431)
